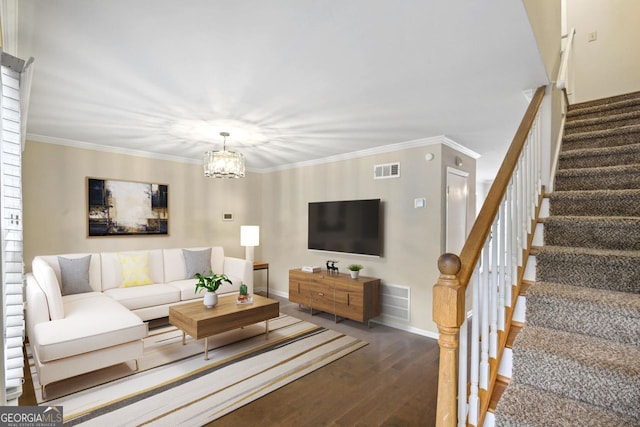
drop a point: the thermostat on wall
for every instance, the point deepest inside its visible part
(419, 203)
(227, 216)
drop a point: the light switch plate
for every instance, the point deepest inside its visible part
(419, 203)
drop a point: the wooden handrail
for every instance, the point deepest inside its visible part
(456, 271)
(481, 227)
(561, 81)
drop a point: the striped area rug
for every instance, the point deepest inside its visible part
(176, 386)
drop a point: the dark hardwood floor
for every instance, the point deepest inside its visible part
(392, 381)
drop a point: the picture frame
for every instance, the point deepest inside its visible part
(126, 208)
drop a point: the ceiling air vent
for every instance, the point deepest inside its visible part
(388, 170)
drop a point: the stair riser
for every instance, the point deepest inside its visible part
(596, 385)
(599, 107)
(591, 114)
(599, 160)
(573, 142)
(613, 123)
(525, 406)
(594, 271)
(610, 205)
(620, 236)
(622, 326)
(598, 181)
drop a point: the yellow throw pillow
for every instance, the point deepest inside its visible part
(135, 271)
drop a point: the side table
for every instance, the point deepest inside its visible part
(261, 265)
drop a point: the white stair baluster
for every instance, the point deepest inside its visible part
(474, 374)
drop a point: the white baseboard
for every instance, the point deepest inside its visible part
(530, 270)
(506, 363)
(489, 420)
(519, 314)
(406, 328)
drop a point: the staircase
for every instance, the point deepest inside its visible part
(576, 360)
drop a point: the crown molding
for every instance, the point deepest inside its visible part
(423, 142)
(108, 149)
(461, 148)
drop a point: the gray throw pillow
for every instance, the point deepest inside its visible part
(74, 273)
(197, 262)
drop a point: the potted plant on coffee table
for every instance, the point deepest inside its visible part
(210, 283)
(354, 269)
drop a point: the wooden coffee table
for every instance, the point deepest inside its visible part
(195, 319)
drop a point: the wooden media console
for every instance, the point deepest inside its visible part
(338, 294)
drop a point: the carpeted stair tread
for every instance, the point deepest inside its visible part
(595, 203)
(602, 138)
(606, 100)
(601, 122)
(614, 270)
(620, 233)
(604, 106)
(606, 314)
(591, 157)
(524, 406)
(586, 368)
(598, 178)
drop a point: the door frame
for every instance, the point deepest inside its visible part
(465, 175)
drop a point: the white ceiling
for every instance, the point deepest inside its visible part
(291, 80)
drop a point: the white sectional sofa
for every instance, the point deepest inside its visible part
(88, 311)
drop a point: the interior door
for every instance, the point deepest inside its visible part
(456, 215)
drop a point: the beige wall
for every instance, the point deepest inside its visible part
(55, 202)
(55, 211)
(608, 66)
(412, 237)
(544, 16)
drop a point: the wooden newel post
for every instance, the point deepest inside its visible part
(448, 313)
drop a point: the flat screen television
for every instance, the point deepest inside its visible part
(350, 226)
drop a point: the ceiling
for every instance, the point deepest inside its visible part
(291, 80)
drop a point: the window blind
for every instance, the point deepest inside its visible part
(11, 236)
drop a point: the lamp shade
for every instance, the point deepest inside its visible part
(249, 235)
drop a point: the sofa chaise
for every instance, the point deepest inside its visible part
(88, 311)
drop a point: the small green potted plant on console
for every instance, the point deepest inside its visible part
(243, 296)
(210, 283)
(354, 269)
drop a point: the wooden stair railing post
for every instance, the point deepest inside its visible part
(448, 314)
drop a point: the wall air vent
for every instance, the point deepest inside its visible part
(388, 170)
(395, 301)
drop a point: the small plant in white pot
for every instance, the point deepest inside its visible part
(210, 283)
(354, 269)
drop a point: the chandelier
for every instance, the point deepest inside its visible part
(223, 164)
